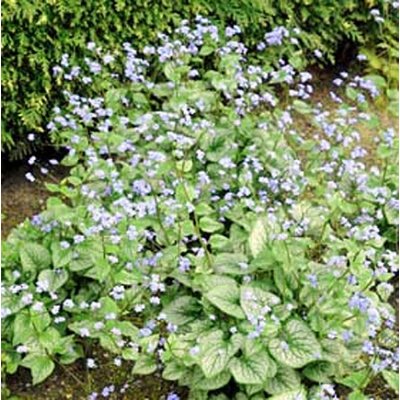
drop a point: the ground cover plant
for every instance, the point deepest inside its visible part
(36, 33)
(203, 233)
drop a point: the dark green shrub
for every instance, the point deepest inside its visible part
(37, 32)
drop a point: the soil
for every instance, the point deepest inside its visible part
(76, 382)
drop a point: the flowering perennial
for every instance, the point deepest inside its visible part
(205, 233)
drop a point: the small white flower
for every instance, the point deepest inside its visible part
(90, 363)
(29, 176)
(38, 306)
(99, 325)
(22, 349)
(84, 332)
(116, 332)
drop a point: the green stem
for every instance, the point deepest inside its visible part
(196, 221)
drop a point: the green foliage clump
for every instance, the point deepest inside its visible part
(36, 34)
(203, 232)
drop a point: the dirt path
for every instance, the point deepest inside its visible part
(21, 199)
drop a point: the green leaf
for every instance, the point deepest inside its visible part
(184, 165)
(209, 225)
(200, 382)
(108, 306)
(351, 93)
(232, 263)
(302, 107)
(218, 241)
(182, 310)
(53, 279)
(215, 353)
(67, 347)
(258, 237)
(377, 80)
(128, 277)
(203, 209)
(41, 366)
(226, 298)
(254, 369)
(285, 379)
(356, 380)
(319, 371)
(170, 72)
(255, 301)
(392, 378)
(125, 327)
(296, 394)
(100, 270)
(209, 282)
(357, 395)
(10, 360)
(40, 319)
(34, 257)
(22, 328)
(130, 354)
(206, 50)
(198, 395)
(60, 257)
(297, 345)
(173, 370)
(50, 339)
(82, 262)
(184, 193)
(333, 351)
(87, 255)
(265, 260)
(145, 365)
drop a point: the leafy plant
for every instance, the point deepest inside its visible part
(37, 33)
(203, 231)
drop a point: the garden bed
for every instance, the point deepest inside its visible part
(218, 227)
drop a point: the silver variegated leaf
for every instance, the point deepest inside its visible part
(181, 310)
(296, 394)
(253, 370)
(285, 379)
(256, 301)
(319, 371)
(200, 382)
(258, 237)
(215, 353)
(297, 346)
(226, 298)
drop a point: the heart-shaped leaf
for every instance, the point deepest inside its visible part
(215, 353)
(254, 369)
(285, 379)
(256, 301)
(297, 346)
(34, 257)
(41, 366)
(182, 310)
(226, 298)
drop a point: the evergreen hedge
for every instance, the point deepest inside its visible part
(37, 32)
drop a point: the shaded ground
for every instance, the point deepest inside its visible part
(76, 382)
(20, 199)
